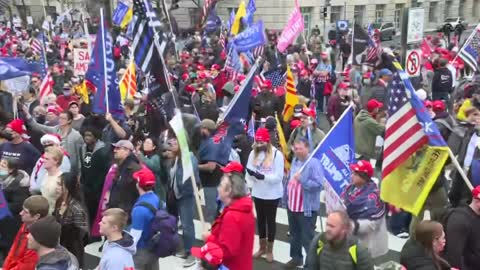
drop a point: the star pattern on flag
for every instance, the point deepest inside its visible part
(398, 97)
(276, 77)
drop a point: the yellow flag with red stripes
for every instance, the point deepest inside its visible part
(128, 83)
(291, 97)
(283, 144)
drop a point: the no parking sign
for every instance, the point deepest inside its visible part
(413, 63)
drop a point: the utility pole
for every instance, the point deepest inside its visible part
(344, 10)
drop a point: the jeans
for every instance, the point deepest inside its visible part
(211, 194)
(266, 215)
(302, 231)
(186, 206)
(145, 260)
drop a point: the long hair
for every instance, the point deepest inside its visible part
(267, 162)
(69, 181)
(425, 233)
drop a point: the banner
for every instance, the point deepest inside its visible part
(335, 153)
(177, 125)
(294, 28)
(81, 59)
(250, 38)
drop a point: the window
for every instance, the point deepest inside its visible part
(379, 13)
(336, 13)
(398, 15)
(448, 7)
(358, 14)
(432, 13)
(194, 14)
(307, 19)
(461, 8)
(475, 8)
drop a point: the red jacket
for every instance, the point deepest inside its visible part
(64, 101)
(218, 83)
(234, 231)
(19, 257)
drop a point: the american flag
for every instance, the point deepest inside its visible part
(277, 77)
(46, 87)
(36, 46)
(258, 51)
(471, 49)
(145, 25)
(223, 39)
(404, 133)
(233, 65)
(374, 47)
(207, 5)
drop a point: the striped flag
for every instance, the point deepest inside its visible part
(374, 45)
(128, 83)
(145, 25)
(283, 144)
(233, 65)
(46, 87)
(207, 5)
(258, 51)
(470, 51)
(222, 39)
(414, 150)
(291, 97)
(36, 46)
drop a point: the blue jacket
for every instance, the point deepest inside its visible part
(59, 259)
(186, 188)
(142, 217)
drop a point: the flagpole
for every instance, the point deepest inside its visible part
(167, 12)
(466, 42)
(459, 169)
(104, 61)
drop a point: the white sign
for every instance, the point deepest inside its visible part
(29, 20)
(81, 59)
(416, 18)
(413, 63)
(333, 202)
(46, 25)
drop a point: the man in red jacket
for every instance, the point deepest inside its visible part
(234, 230)
(20, 258)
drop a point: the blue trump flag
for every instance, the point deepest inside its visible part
(8, 71)
(250, 38)
(213, 20)
(335, 153)
(4, 211)
(218, 147)
(119, 13)
(23, 65)
(251, 8)
(96, 75)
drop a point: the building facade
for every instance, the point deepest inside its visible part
(275, 13)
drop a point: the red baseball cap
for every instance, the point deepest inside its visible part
(262, 135)
(427, 103)
(438, 106)
(233, 166)
(476, 192)
(373, 104)
(362, 166)
(216, 67)
(309, 112)
(210, 252)
(144, 177)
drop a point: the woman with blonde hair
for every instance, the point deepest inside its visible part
(51, 180)
(264, 176)
(422, 252)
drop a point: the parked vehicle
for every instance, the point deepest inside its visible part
(452, 23)
(387, 30)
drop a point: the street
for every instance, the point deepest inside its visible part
(396, 39)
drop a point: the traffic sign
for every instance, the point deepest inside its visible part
(413, 63)
(342, 25)
(416, 18)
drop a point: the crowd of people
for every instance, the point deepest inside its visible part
(71, 177)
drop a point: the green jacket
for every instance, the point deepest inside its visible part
(346, 256)
(366, 131)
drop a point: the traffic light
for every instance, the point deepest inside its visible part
(325, 12)
(174, 4)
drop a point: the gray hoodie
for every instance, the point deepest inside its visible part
(118, 255)
(59, 259)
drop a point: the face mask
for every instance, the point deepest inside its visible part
(3, 173)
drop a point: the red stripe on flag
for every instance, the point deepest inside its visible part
(399, 123)
(401, 139)
(404, 156)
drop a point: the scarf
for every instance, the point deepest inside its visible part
(364, 202)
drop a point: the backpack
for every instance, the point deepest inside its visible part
(164, 232)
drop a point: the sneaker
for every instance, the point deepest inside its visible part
(403, 235)
(189, 261)
(293, 264)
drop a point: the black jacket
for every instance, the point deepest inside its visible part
(123, 193)
(462, 249)
(414, 257)
(442, 81)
